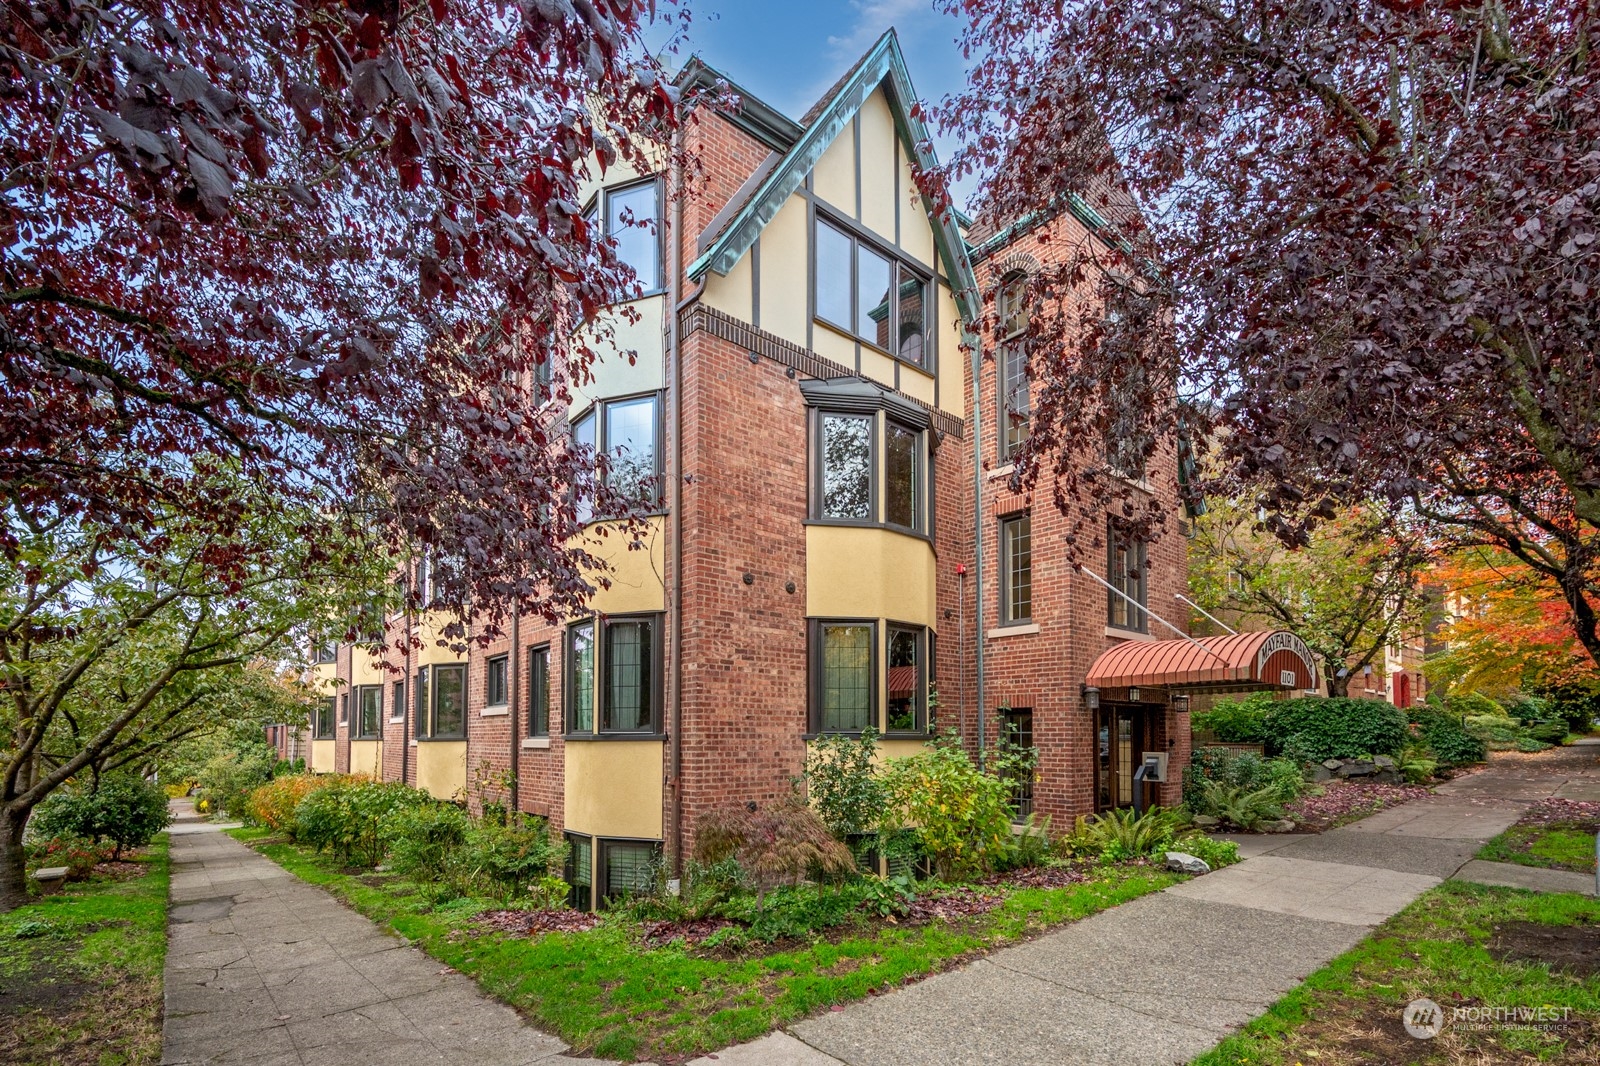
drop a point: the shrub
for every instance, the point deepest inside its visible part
(272, 806)
(780, 843)
(1238, 721)
(124, 809)
(1335, 728)
(843, 785)
(1577, 704)
(511, 862)
(1215, 853)
(1447, 741)
(1118, 835)
(959, 814)
(424, 840)
(1030, 845)
(1551, 731)
(77, 854)
(1245, 808)
(348, 818)
(1416, 763)
(1242, 769)
(1463, 704)
(1497, 733)
(228, 779)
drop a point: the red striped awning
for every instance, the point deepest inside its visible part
(1274, 659)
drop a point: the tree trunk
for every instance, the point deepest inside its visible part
(13, 862)
(1338, 684)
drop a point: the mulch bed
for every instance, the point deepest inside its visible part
(690, 931)
(952, 904)
(1572, 948)
(533, 923)
(1346, 801)
(1563, 814)
(119, 869)
(1042, 877)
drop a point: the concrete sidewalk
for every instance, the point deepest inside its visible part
(1165, 977)
(266, 970)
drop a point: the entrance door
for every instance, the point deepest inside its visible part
(1122, 735)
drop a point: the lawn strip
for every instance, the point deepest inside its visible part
(81, 972)
(1462, 946)
(609, 996)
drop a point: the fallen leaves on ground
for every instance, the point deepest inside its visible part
(952, 903)
(532, 923)
(1344, 801)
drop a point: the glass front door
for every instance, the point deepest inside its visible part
(1121, 736)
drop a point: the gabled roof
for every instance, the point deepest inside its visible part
(884, 65)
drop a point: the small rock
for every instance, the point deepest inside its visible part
(1355, 768)
(1321, 773)
(1332, 764)
(1184, 863)
(1205, 821)
(1383, 762)
(1387, 777)
(1285, 826)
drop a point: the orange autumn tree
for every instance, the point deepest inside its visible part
(1506, 627)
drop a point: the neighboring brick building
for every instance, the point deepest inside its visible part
(810, 563)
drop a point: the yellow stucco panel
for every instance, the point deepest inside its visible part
(366, 757)
(636, 573)
(785, 245)
(732, 293)
(952, 360)
(854, 572)
(916, 384)
(442, 768)
(832, 344)
(916, 228)
(834, 177)
(877, 366)
(321, 761)
(613, 788)
(613, 374)
(365, 668)
(878, 158)
(324, 679)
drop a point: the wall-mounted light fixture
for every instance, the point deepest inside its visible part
(1133, 695)
(1180, 702)
(1091, 697)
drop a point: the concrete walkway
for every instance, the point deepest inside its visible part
(266, 970)
(1165, 977)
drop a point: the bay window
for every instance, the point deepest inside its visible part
(614, 676)
(369, 707)
(441, 702)
(870, 468)
(847, 680)
(626, 431)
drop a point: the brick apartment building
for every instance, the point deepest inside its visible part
(833, 497)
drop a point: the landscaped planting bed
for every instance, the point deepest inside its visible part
(80, 972)
(1342, 802)
(1557, 834)
(1475, 951)
(621, 986)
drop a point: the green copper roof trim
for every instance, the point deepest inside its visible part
(884, 61)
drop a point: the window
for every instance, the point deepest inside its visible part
(1125, 570)
(847, 467)
(908, 680)
(865, 292)
(344, 708)
(397, 703)
(580, 871)
(442, 702)
(539, 691)
(628, 432)
(844, 687)
(627, 868)
(580, 678)
(369, 707)
(628, 658)
(627, 663)
(1016, 405)
(494, 681)
(323, 654)
(1016, 570)
(1016, 732)
(902, 476)
(322, 723)
(632, 222)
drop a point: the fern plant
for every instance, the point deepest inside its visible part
(1245, 808)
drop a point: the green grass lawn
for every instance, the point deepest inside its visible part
(610, 996)
(1462, 946)
(1555, 847)
(80, 972)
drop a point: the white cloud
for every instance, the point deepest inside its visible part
(872, 18)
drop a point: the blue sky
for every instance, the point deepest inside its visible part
(790, 53)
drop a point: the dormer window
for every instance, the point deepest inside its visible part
(865, 291)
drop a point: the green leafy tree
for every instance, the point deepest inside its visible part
(109, 653)
(1349, 593)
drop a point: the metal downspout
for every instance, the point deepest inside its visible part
(977, 529)
(513, 697)
(675, 494)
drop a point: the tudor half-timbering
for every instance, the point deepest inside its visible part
(822, 467)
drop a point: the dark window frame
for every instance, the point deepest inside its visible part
(1012, 732)
(924, 637)
(899, 267)
(324, 718)
(1006, 388)
(324, 654)
(493, 666)
(397, 701)
(358, 723)
(1139, 562)
(569, 686)
(878, 423)
(1007, 581)
(920, 508)
(597, 212)
(598, 412)
(538, 719)
(814, 673)
(427, 699)
(819, 474)
(580, 892)
(603, 846)
(600, 709)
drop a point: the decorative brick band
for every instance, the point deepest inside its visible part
(769, 346)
